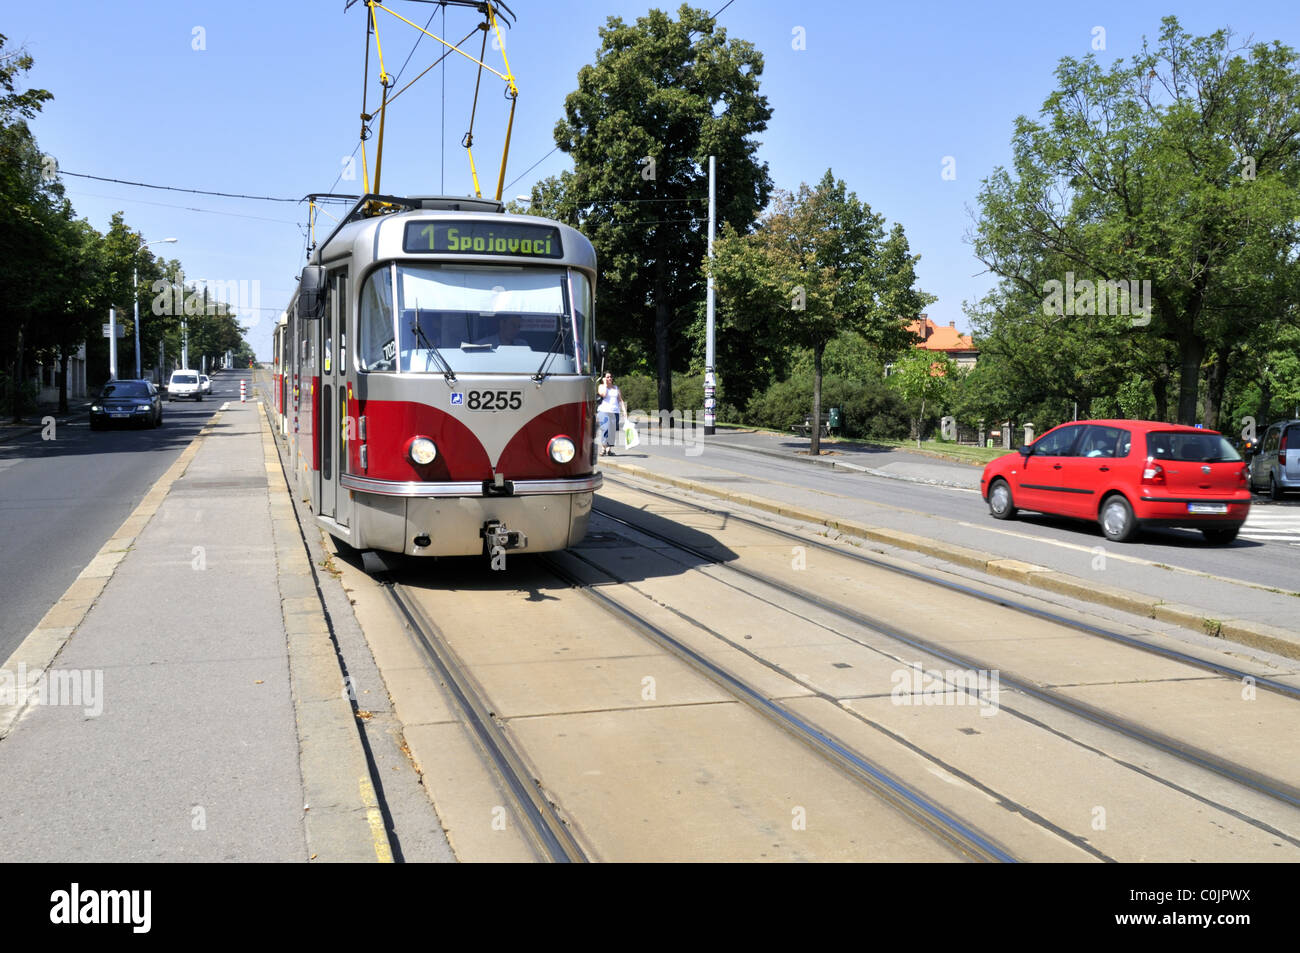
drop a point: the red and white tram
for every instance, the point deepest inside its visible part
(438, 374)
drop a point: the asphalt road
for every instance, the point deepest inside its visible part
(61, 499)
(1265, 554)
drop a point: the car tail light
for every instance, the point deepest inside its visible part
(1153, 474)
(1281, 448)
(1243, 476)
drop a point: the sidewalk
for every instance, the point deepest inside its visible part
(889, 462)
(183, 700)
(32, 423)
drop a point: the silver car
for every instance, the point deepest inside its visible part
(1275, 467)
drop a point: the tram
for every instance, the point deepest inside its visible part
(278, 370)
(438, 375)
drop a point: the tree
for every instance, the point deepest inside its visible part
(923, 377)
(33, 201)
(818, 266)
(662, 96)
(79, 295)
(1176, 174)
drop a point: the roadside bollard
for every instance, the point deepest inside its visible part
(243, 391)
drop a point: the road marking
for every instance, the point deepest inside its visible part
(383, 853)
(1273, 526)
(983, 527)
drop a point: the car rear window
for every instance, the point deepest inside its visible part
(126, 389)
(185, 379)
(1202, 447)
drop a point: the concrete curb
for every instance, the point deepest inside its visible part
(845, 465)
(1254, 634)
(43, 644)
(343, 821)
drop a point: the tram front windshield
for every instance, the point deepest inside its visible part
(477, 318)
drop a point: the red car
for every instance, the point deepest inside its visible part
(1125, 474)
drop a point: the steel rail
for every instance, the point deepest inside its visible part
(928, 815)
(547, 833)
(1281, 688)
(1239, 774)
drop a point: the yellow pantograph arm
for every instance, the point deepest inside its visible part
(444, 42)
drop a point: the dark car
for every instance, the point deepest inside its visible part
(134, 403)
(1125, 474)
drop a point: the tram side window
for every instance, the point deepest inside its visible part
(378, 348)
(583, 306)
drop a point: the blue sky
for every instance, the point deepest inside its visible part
(880, 94)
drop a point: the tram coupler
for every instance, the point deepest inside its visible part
(497, 539)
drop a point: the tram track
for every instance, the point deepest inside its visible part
(545, 830)
(906, 799)
(998, 599)
(1251, 779)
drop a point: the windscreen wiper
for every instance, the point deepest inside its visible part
(420, 336)
(557, 347)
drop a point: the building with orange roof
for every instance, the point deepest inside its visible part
(959, 347)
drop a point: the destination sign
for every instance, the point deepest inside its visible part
(483, 238)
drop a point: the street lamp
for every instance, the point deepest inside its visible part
(185, 330)
(135, 287)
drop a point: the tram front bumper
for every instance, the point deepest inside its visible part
(455, 526)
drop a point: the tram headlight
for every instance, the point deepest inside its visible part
(421, 450)
(561, 449)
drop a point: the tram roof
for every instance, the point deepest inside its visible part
(379, 237)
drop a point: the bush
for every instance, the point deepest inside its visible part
(638, 391)
(28, 393)
(641, 392)
(871, 408)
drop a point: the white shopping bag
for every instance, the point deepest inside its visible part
(630, 437)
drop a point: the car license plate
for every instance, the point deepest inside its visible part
(119, 415)
(1207, 507)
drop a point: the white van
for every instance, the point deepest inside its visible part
(184, 384)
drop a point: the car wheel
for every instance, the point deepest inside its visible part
(1274, 491)
(1001, 505)
(1116, 520)
(1221, 536)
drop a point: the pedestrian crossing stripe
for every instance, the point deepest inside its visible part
(1270, 526)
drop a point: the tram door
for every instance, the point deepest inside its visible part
(334, 430)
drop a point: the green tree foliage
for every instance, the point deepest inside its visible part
(1181, 168)
(819, 265)
(662, 96)
(923, 377)
(30, 228)
(870, 407)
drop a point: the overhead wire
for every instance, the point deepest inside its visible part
(173, 188)
(186, 208)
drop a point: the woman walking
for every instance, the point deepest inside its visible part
(609, 413)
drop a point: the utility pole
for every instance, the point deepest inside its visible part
(135, 288)
(112, 343)
(710, 419)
